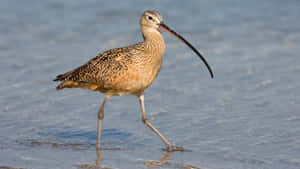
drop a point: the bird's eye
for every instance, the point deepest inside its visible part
(150, 17)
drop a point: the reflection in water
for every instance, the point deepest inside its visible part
(167, 156)
(161, 162)
(164, 161)
(7, 167)
(96, 166)
(90, 166)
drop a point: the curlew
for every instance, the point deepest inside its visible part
(127, 70)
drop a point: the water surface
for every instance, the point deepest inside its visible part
(246, 117)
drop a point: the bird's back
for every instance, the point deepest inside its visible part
(118, 71)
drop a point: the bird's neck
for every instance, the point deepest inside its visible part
(154, 41)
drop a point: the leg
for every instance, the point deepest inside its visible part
(170, 147)
(98, 161)
(100, 118)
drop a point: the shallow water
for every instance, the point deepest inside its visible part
(246, 117)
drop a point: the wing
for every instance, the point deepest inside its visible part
(102, 69)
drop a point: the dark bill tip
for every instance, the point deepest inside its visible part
(164, 27)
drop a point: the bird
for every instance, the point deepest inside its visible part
(127, 70)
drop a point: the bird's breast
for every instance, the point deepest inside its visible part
(136, 79)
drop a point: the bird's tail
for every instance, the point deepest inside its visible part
(61, 77)
(67, 84)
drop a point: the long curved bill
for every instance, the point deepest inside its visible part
(164, 27)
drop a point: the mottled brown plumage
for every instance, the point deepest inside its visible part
(127, 70)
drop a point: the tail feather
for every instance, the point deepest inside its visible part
(60, 86)
(60, 77)
(67, 76)
(69, 80)
(67, 84)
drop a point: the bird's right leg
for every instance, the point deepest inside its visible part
(170, 147)
(100, 118)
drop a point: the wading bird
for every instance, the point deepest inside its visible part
(127, 70)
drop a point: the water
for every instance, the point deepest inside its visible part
(246, 117)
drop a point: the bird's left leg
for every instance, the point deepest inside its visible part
(145, 120)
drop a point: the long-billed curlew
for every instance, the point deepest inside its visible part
(127, 70)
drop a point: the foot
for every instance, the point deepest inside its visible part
(171, 148)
